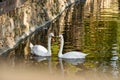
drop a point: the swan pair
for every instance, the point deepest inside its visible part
(42, 51)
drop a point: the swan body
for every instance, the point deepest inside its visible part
(69, 55)
(40, 50)
(74, 54)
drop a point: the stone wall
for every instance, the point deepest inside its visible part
(8, 5)
(19, 23)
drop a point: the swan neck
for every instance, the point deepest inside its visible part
(49, 45)
(61, 47)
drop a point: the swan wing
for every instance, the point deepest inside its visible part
(74, 54)
(39, 50)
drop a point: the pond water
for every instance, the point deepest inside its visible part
(99, 38)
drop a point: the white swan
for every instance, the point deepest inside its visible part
(69, 55)
(40, 50)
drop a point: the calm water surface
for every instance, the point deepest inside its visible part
(97, 37)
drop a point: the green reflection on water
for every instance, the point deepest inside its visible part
(100, 39)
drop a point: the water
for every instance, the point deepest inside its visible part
(99, 38)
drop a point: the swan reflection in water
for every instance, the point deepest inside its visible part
(74, 61)
(70, 61)
(43, 58)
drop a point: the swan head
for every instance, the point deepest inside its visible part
(51, 35)
(61, 37)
